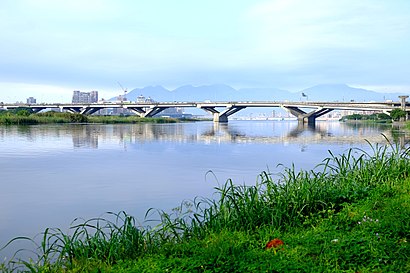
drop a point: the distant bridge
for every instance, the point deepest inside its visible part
(222, 110)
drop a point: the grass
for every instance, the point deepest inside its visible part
(376, 117)
(350, 214)
(23, 117)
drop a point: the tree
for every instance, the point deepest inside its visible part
(22, 111)
(397, 114)
(383, 116)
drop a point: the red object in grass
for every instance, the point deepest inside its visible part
(275, 243)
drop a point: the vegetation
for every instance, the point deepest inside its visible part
(378, 117)
(397, 114)
(26, 117)
(349, 214)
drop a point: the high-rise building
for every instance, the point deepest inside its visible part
(31, 100)
(76, 96)
(94, 96)
(85, 97)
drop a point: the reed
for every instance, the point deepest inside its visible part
(41, 118)
(286, 202)
(289, 201)
(26, 118)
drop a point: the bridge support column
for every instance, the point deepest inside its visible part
(220, 118)
(307, 119)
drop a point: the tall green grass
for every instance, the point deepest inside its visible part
(27, 118)
(288, 201)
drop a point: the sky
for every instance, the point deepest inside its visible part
(48, 48)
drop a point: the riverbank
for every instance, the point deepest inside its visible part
(375, 117)
(342, 218)
(25, 118)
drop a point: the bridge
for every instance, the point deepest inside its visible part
(305, 111)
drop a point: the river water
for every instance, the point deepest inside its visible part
(52, 174)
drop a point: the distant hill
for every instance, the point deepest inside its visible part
(265, 94)
(343, 92)
(216, 92)
(221, 92)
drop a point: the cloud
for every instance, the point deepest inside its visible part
(294, 32)
(15, 91)
(73, 10)
(94, 44)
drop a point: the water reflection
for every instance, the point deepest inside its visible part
(85, 136)
(302, 127)
(91, 136)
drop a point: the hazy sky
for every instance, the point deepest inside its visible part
(48, 48)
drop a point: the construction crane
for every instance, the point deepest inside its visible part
(124, 97)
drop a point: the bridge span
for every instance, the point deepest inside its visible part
(306, 111)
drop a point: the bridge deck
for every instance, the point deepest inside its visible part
(149, 109)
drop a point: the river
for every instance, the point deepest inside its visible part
(51, 174)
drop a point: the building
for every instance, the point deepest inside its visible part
(94, 96)
(85, 97)
(142, 99)
(31, 100)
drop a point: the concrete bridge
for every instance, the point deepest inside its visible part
(306, 111)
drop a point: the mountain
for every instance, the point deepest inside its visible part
(222, 92)
(149, 91)
(264, 94)
(343, 92)
(215, 92)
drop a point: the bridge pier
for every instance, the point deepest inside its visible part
(309, 118)
(221, 116)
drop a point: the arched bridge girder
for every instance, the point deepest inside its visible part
(90, 110)
(294, 111)
(321, 112)
(137, 110)
(211, 110)
(146, 112)
(153, 111)
(222, 116)
(84, 111)
(232, 110)
(37, 110)
(73, 110)
(310, 117)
